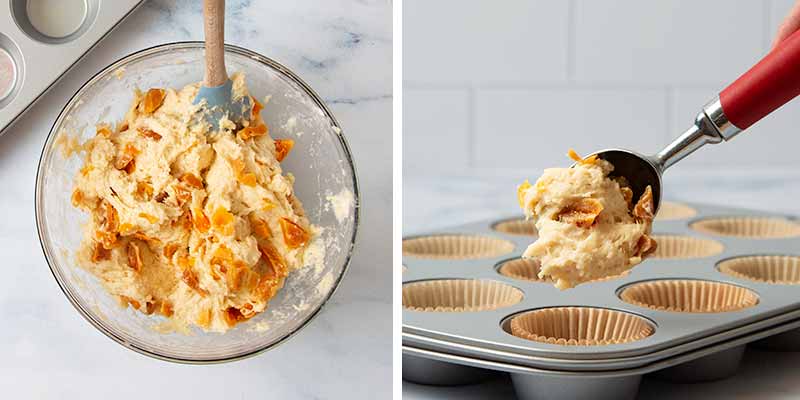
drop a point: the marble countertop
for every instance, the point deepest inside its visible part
(343, 49)
(432, 202)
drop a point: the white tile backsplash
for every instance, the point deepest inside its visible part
(534, 128)
(770, 142)
(666, 42)
(435, 131)
(485, 41)
(514, 84)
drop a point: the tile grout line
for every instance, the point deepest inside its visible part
(572, 31)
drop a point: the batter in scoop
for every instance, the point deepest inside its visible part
(588, 226)
(201, 227)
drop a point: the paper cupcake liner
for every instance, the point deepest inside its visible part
(747, 227)
(528, 270)
(690, 296)
(670, 246)
(456, 247)
(784, 270)
(669, 211)
(580, 326)
(518, 226)
(459, 295)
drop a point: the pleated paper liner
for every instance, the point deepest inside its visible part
(459, 295)
(672, 246)
(516, 226)
(580, 326)
(528, 270)
(783, 270)
(689, 296)
(456, 247)
(670, 211)
(748, 227)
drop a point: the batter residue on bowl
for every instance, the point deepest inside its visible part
(589, 227)
(201, 227)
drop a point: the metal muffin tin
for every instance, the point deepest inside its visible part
(446, 348)
(38, 60)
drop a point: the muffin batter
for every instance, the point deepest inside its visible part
(588, 226)
(201, 227)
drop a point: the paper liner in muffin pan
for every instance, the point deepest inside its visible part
(748, 227)
(516, 226)
(459, 295)
(669, 211)
(674, 246)
(689, 296)
(720, 274)
(783, 270)
(456, 247)
(528, 270)
(580, 326)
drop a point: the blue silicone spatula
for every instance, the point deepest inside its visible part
(217, 89)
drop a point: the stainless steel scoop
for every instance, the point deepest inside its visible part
(769, 84)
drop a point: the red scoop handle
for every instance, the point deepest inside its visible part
(766, 86)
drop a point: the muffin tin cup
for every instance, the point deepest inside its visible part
(487, 336)
(715, 362)
(40, 56)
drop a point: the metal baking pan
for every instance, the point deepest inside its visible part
(37, 57)
(484, 335)
(703, 364)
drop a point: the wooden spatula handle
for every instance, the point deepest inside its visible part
(214, 17)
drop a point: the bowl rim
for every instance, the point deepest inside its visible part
(180, 45)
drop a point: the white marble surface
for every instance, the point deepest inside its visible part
(439, 201)
(342, 48)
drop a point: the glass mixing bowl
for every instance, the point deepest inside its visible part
(321, 162)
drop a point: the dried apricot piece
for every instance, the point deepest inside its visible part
(521, 189)
(153, 100)
(233, 275)
(170, 249)
(248, 179)
(260, 227)
(273, 259)
(86, 169)
(252, 131)
(643, 209)
(222, 221)
(192, 180)
(166, 309)
(149, 217)
(204, 318)
(257, 107)
(146, 132)
(645, 246)
(282, 148)
(129, 301)
(222, 255)
(233, 316)
(190, 279)
(293, 234)
(144, 190)
(268, 205)
(103, 130)
(134, 257)
(100, 253)
(126, 228)
(77, 197)
(201, 222)
(582, 213)
(126, 158)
